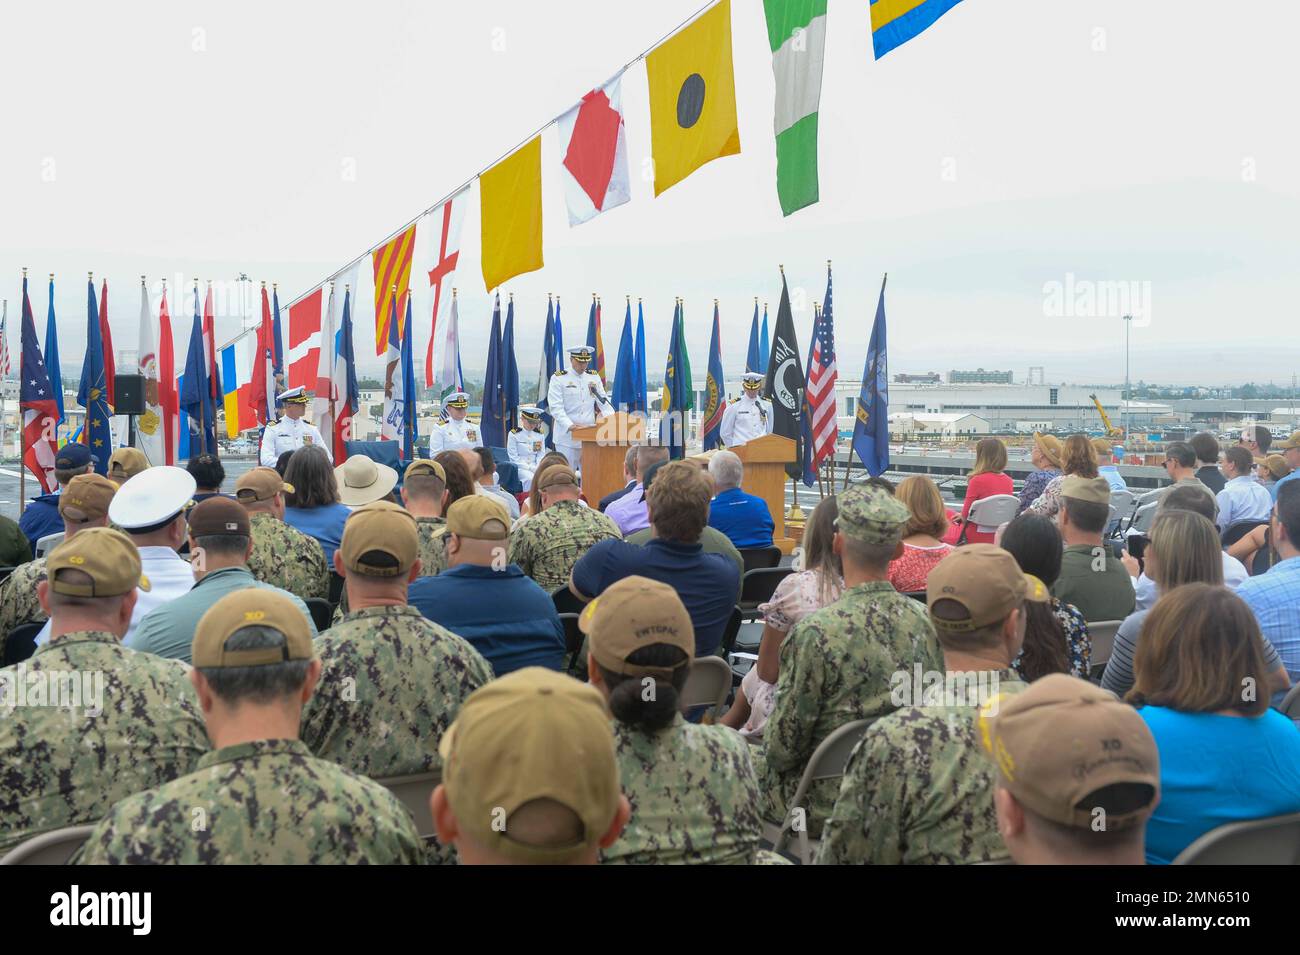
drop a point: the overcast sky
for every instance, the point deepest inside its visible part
(1016, 143)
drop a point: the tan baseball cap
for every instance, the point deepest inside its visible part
(984, 579)
(473, 516)
(381, 527)
(1103, 447)
(107, 556)
(558, 474)
(637, 612)
(532, 734)
(424, 467)
(1276, 464)
(260, 484)
(251, 607)
(1061, 741)
(1291, 442)
(86, 498)
(219, 517)
(127, 463)
(1093, 490)
(1051, 447)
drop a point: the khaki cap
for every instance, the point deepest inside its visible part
(251, 607)
(1093, 490)
(1276, 465)
(1103, 447)
(86, 498)
(260, 484)
(1291, 442)
(219, 517)
(1051, 447)
(984, 579)
(872, 515)
(558, 474)
(127, 462)
(425, 467)
(1063, 739)
(532, 734)
(637, 612)
(469, 516)
(383, 527)
(107, 556)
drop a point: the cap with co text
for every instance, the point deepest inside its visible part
(986, 581)
(260, 484)
(86, 498)
(872, 515)
(384, 528)
(251, 607)
(106, 556)
(479, 517)
(637, 612)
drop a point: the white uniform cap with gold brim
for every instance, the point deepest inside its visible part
(457, 399)
(531, 411)
(297, 396)
(152, 498)
(581, 352)
(752, 379)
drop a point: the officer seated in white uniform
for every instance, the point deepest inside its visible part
(457, 433)
(575, 398)
(290, 433)
(748, 418)
(526, 444)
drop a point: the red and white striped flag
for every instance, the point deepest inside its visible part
(4, 341)
(36, 401)
(820, 389)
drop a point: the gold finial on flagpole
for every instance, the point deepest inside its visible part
(828, 263)
(91, 276)
(51, 275)
(275, 286)
(347, 287)
(593, 296)
(715, 301)
(638, 299)
(782, 268)
(142, 281)
(25, 272)
(512, 296)
(453, 291)
(263, 283)
(164, 282)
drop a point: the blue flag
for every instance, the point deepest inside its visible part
(559, 338)
(277, 359)
(510, 368)
(410, 423)
(196, 394)
(492, 423)
(350, 395)
(678, 396)
(764, 346)
(92, 394)
(871, 431)
(753, 357)
(640, 378)
(624, 397)
(715, 388)
(550, 363)
(52, 355)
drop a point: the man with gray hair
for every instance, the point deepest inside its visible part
(742, 517)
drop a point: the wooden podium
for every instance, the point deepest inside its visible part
(765, 459)
(604, 448)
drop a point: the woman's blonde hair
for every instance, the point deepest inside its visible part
(1079, 456)
(921, 496)
(1187, 550)
(990, 457)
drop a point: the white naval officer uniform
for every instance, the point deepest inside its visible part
(289, 434)
(572, 400)
(454, 435)
(746, 419)
(526, 449)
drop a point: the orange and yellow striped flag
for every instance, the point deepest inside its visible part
(392, 267)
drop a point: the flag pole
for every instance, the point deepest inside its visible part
(22, 431)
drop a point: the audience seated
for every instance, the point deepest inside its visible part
(425, 496)
(1243, 498)
(1206, 448)
(126, 463)
(1183, 499)
(1056, 633)
(1275, 596)
(40, 517)
(313, 505)
(712, 540)
(1290, 449)
(629, 511)
(534, 503)
(923, 537)
(281, 555)
(548, 545)
(1109, 457)
(629, 479)
(1224, 755)
(987, 479)
(1045, 455)
(1180, 466)
(1092, 577)
(487, 479)
(208, 474)
(743, 517)
(1078, 459)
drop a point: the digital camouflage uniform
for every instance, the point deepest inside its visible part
(18, 603)
(693, 792)
(287, 558)
(432, 533)
(266, 802)
(836, 666)
(547, 545)
(63, 766)
(918, 790)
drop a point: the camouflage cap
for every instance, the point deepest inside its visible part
(1288, 444)
(107, 556)
(260, 484)
(424, 467)
(479, 517)
(219, 517)
(384, 528)
(558, 474)
(532, 734)
(637, 612)
(1093, 490)
(251, 607)
(1063, 740)
(871, 515)
(127, 463)
(86, 498)
(984, 579)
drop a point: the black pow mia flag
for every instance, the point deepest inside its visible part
(785, 382)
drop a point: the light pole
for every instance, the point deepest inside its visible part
(1128, 397)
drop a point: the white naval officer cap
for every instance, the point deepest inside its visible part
(531, 412)
(296, 395)
(581, 352)
(152, 498)
(752, 379)
(457, 399)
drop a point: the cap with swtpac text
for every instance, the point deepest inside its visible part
(872, 515)
(1092, 490)
(127, 463)
(556, 475)
(106, 556)
(479, 517)
(86, 498)
(1063, 740)
(73, 455)
(219, 517)
(260, 484)
(425, 467)
(251, 607)
(986, 581)
(152, 498)
(531, 735)
(379, 528)
(637, 612)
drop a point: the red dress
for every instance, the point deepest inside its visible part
(981, 486)
(909, 572)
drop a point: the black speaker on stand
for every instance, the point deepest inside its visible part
(129, 392)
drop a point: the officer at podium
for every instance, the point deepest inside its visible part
(748, 418)
(526, 444)
(290, 433)
(575, 398)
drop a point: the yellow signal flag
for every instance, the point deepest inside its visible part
(510, 196)
(692, 98)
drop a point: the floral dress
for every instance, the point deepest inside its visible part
(909, 572)
(1035, 484)
(1078, 644)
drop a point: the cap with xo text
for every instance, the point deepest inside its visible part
(637, 612)
(252, 607)
(986, 581)
(260, 484)
(531, 735)
(106, 556)
(479, 517)
(1064, 740)
(86, 498)
(379, 528)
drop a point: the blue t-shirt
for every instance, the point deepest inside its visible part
(504, 614)
(1218, 769)
(706, 583)
(742, 517)
(324, 523)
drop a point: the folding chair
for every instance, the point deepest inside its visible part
(21, 643)
(1239, 529)
(916, 595)
(1290, 705)
(565, 601)
(1272, 841)
(989, 513)
(49, 848)
(828, 761)
(4, 573)
(1102, 636)
(573, 642)
(758, 585)
(413, 792)
(48, 543)
(322, 614)
(707, 684)
(1143, 517)
(1122, 506)
(760, 557)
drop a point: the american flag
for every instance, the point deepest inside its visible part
(820, 390)
(36, 401)
(4, 341)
